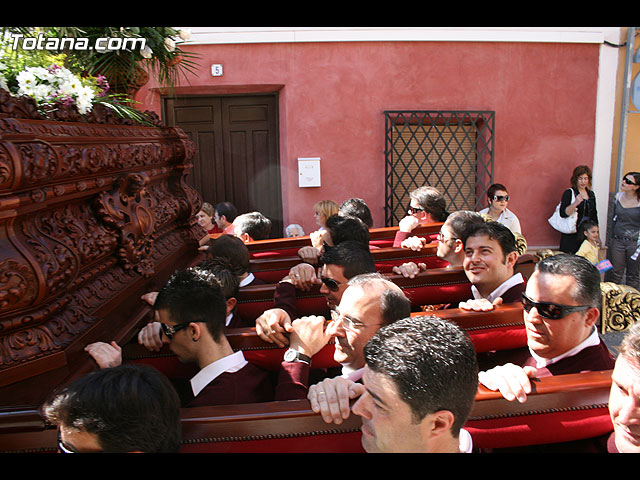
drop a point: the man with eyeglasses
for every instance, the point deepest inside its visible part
(369, 302)
(427, 205)
(561, 307)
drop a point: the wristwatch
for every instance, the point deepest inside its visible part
(292, 355)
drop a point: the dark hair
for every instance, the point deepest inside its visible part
(227, 209)
(494, 188)
(578, 171)
(495, 231)
(352, 256)
(394, 304)
(432, 363)
(233, 249)
(356, 207)
(129, 408)
(222, 269)
(195, 295)
(586, 275)
(253, 223)
(459, 220)
(584, 226)
(347, 228)
(636, 178)
(432, 201)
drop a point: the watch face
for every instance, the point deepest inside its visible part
(290, 355)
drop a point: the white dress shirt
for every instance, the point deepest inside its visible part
(230, 363)
(506, 285)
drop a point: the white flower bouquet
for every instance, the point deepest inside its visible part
(57, 85)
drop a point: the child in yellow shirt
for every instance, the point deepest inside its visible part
(590, 248)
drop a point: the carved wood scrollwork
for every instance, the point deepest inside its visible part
(128, 210)
(620, 307)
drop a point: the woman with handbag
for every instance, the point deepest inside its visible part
(625, 231)
(579, 201)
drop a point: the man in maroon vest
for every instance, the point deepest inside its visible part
(192, 309)
(561, 308)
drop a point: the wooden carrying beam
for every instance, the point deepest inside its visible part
(378, 236)
(562, 408)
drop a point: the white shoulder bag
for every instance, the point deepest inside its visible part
(564, 224)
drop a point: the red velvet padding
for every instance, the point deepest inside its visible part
(325, 443)
(439, 294)
(501, 338)
(540, 429)
(306, 306)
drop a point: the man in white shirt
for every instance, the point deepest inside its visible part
(489, 263)
(420, 383)
(191, 312)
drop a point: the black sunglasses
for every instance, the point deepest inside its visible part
(501, 198)
(170, 330)
(628, 182)
(412, 210)
(552, 311)
(331, 284)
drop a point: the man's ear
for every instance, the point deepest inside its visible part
(439, 423)
(458, 246)
(195, 331)
(231, 304)
(245, 237)
(512, 258)
(592, 316)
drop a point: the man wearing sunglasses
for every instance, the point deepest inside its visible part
(427, 205)
(192, 311)
(340, 263)
(450, 246)
(561, 307)
(498, 198)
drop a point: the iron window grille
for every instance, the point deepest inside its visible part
(449, 150)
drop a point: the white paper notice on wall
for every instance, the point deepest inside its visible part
(309, 172)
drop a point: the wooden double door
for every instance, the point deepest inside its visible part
(237, 155)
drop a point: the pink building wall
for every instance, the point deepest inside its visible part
(332, 98)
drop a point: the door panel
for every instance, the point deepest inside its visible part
(237, 157)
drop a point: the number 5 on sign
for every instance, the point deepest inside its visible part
(216, 70)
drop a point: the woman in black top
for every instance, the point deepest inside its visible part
(625, 232)
(584, 201)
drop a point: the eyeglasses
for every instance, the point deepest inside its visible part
(552, 311)
(331, 284)
(348, 322)
(413, 210)
(441, 238)
(501, 198)
(628, 182)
